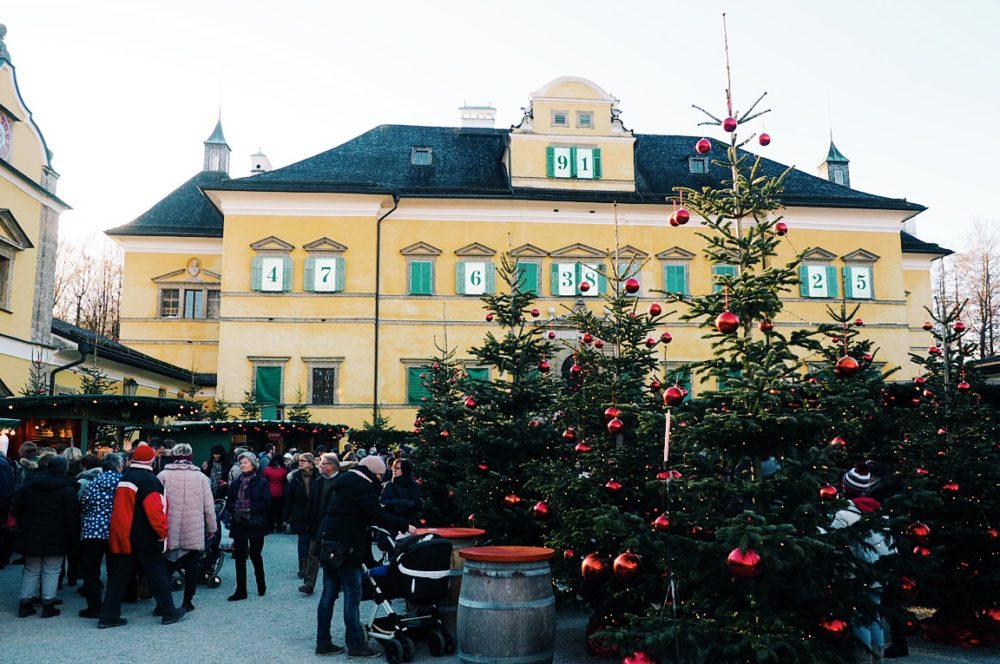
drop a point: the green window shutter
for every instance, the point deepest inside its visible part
(721, 271)
(527, 278)
(491, 278)
(340, 274)
(555, 279)
(550, 162)
(415, 388)
(482, 374)
(268, 385)
(287, 274)
(602, 281)
(421, 278)
(572, 162)
(577, 274)
(269, 412)
(460, 278)
(803, 281)
(848, 282)
(256, 273)
(675, 279)
(597, 163)
(308, 274)
(831, 281)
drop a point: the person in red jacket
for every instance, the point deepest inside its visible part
(276, 474)
(138, 536)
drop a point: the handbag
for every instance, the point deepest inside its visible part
(248, 519)
(333, 554)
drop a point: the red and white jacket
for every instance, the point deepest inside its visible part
(139, 513)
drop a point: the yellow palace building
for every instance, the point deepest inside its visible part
(336, 277)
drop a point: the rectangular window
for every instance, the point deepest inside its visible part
(675, 279)
(5, 278)
(169, 302)
(268, 385)
(421, 278)
(721, 271)
(475, 278)
(560, 119)
(858, 283)
(271, 274)
(527, 278)
(482, 374)
(573, 162)
(212, 305)
(585, 119)
(566, 279)
(323, 275)
(593, 275)
(323, 386)
(818, 281)
(421, 156)
(194, 303)
(697, 165)
(416, 391)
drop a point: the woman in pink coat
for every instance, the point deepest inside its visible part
(190, 516)
(276, 474)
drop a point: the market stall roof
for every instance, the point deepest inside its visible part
(102, 407)
(237, 426)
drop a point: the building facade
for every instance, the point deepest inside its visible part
(334, 280)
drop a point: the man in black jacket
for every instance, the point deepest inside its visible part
(319, 500)
(354, 507)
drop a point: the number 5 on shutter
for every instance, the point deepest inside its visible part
(861, 283)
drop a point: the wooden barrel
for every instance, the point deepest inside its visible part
(460, 538)
(506, 610)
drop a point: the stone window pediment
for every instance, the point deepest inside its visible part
(11, 232)
(860, 256)
(628, 252)
(579, 250)
(528, 251)
(475, 249)
(185, 276)
(420, 249)
(675, 254)
(272, 244)
(818, 255)
(326, 245)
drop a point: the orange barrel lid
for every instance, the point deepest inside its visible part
(453, 533)
(507, 554)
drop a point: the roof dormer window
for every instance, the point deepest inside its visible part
(421, 156)
(560, 119)
(585, 119)
(698, 165)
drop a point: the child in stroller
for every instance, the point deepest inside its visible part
(416, 569)
(211, 559)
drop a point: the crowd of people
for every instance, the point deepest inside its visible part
(152, 514)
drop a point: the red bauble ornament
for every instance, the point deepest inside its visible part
(655, 309)
(512, 499)
(631, 286)
(837, 441)
(535, 313)
(963, 387)
(613, 487)
(922, 471)
(672, 219)
(828, 492)
(703, 146)
(729, 124)
(552, 335)
(766, 326)
(682, 216)
(858, 322)
(584, 286)
(928, 326)
(928, 394)
(599, 645)
(743, 565)
(568, 554)
(655, 385)
(650, 342)
(581, 448)
(919, 381)
(661, 523)
(846, 366)
(544, 367)
(615, 426)
(598, 344)
(640, 657)
(868, 357)
(764, 139)
(921, 551)
(445, 434)
(483, 468)
(959, 326)
(611, 413)
(626, 567)
(470, 403)
(951, 487)
(569, 434)
(727, 322)
(673, 395)
(919, 532)
(666, 338)
(993, 533)
(593, 568)
(834, 629)
(540, 510)
(587, 338)
(489, 318)
(907, 589)
(575, 370)
(933, 350)
(781, 228)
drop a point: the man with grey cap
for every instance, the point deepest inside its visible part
(191, 514)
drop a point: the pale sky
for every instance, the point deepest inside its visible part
(125, 92)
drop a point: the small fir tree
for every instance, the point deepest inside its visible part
(250, 407)
(299, 411)
(38, 377)
(93, 379)
(219, 411)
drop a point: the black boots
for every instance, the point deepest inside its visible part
(258, 572)
(26, 608)
(302, 567)
(49, 609)
(241, 581)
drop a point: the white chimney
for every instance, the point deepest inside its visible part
(478, 117)
(259, 163)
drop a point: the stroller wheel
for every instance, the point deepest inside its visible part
(449, 644)
(393, 651)
(409, 648)
(213, 582)
(436, 643)
(176, 583)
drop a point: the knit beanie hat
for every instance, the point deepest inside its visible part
(182, 451)
(143, 454)
(375, 464)
(858, 479)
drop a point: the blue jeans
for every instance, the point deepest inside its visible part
(871, 635)
(47, 571)
(335, 579)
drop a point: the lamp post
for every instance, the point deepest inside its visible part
(129, 387)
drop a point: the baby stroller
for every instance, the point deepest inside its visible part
(416, 569)
(211, 559)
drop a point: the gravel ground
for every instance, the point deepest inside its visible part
(279, 627)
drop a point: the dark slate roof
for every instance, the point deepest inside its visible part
(468, 163)
(116, 352)
(834, 156)
(185, 211)
(914, 245)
